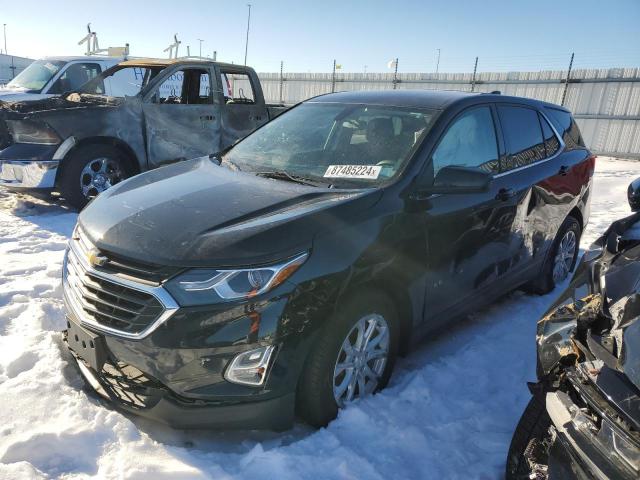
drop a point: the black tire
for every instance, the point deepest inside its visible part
(545, 282)
(69, 183)
(533, 425)
(315, 402)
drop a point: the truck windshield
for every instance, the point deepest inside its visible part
(121, 81)
(33, 78)
(339, 144)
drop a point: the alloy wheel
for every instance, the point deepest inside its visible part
(98, 175)
(564, 256)
(361, 360)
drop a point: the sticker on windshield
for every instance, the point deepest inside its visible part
(370, 172)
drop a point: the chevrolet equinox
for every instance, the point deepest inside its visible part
(284, 275)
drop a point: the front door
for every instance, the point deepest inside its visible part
(182, 117)
(473, 238)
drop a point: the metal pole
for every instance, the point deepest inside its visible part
(566, 82)
(246, 43)
(215, 55)
(438, 62)
(4, 25)
(473, 80)
(395, 75)
(200, 55)
(333, 77)
(281, 79)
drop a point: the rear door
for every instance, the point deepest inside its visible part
(243, 106)
(537, 169)
(182, 116)
(473, 238)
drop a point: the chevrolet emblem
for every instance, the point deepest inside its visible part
(95, 259)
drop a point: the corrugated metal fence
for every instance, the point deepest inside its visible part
(605, 102)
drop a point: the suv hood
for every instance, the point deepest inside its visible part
(196, 213)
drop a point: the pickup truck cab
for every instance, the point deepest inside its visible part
(136, 116)
(52, 76)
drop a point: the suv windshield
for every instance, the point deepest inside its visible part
(36, 75)
(122, 81)
(338, 144)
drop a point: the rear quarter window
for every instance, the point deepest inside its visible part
(567, 127)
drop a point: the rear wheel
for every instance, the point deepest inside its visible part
(89, 171)
(561, 259)
(353, 358)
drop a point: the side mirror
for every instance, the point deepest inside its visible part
(633, 194)
(456, 179)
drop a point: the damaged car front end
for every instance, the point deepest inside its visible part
(583, 420)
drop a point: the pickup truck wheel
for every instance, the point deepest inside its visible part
(89, 171)
(561, 259)
(352, 358)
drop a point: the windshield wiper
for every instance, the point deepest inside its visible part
(282, 175)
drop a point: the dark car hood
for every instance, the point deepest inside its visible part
(196, 213)
(622, 292)
(31, 106)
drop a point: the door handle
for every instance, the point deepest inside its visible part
(207, 117)
(564, 170)
(505, 194)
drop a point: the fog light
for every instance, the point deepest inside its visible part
(250, 368)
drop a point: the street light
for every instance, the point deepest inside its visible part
(200, 40)
(4, 25)
(246, 43)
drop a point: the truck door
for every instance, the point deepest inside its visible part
(243, 106)
(182, 116)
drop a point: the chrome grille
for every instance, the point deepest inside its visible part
(107, 303)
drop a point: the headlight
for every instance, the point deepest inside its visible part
(250, 368)
(201, 286)
(26, 131)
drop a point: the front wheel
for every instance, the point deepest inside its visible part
(90, 171)
(353, 358)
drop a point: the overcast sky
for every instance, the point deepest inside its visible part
(308, 35)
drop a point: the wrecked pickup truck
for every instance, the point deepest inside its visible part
(138, 115)
(583, 421)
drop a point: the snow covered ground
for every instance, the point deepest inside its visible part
(449, 411)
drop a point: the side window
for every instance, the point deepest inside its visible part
(470, 141)
(551, 143)
(189, 86)
(567, 127)
(237, 88)
(74, 77)
(523, 137)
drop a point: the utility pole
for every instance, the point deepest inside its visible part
(566, 82)
(281, 78)
(473, 80)
(438, 61)
(333, 77)
(200, 40)
(246, 43)
(4, 25)
(395, 75)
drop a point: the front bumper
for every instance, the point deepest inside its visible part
(132, 391)
(28, 174)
